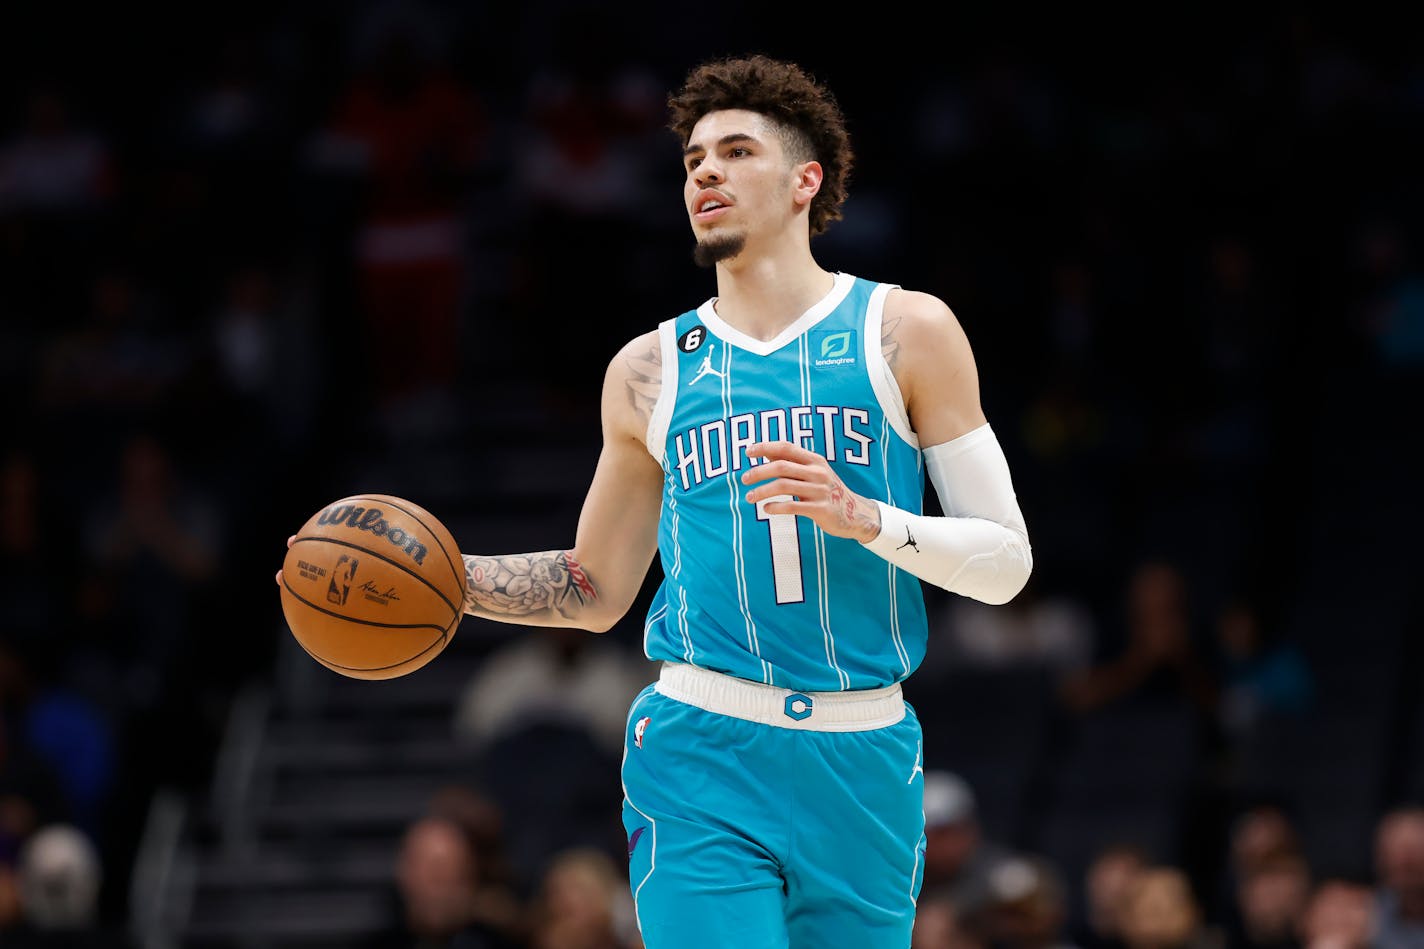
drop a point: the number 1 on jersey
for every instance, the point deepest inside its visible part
(785, 552)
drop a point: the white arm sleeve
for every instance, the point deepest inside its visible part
(980, 549)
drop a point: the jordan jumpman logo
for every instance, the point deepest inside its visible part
(706, 368)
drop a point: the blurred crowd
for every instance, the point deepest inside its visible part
(454, 886)
(979, 893)
(318, 229)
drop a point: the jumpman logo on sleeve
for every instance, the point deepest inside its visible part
(706, 368)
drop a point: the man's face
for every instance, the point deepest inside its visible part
(1401, 853)
(1339, 914)
(436, 875)
(1272, 899)
(738, 185)
(1109, 881)
(1159, 909)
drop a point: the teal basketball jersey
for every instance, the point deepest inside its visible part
(771, 597)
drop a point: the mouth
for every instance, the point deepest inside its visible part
(710, 205)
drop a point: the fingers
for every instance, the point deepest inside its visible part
(291, 539)
(773, 451)
(779, 469)
(787, 486)
(788, 471)
(807, 508)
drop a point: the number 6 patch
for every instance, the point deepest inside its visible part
(692, 340)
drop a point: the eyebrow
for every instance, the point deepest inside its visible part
(724, 140)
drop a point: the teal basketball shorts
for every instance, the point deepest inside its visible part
(762, 818)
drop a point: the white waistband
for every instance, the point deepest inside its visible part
(856, 711)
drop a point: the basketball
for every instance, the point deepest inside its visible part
(373, 586)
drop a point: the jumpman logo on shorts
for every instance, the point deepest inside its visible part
(706, 368)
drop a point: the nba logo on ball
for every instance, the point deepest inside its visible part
(638, 730)
(340, 587)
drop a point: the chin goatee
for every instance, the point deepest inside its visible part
(712, 251)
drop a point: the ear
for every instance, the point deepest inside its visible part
(807, 183)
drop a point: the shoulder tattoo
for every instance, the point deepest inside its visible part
(645, 376)
(889, 341)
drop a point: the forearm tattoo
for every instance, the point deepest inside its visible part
(527, 585)
(645, 378)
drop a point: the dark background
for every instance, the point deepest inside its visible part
(1185, 250)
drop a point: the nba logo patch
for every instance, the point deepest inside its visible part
(638, 730)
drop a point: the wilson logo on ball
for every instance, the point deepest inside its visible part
(373, 520)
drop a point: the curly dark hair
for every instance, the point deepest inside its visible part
(807, 114)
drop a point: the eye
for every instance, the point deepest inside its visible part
(693, 163)
(739, 152)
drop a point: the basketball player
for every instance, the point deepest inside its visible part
(772, 445)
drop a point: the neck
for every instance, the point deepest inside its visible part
(763, 294)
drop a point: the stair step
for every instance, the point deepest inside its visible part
(335, 757)
(289, 913)
(379, 803)
(302, 864)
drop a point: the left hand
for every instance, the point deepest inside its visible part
(804, 483)
(290, 541)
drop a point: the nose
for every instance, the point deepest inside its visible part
(707, 173)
